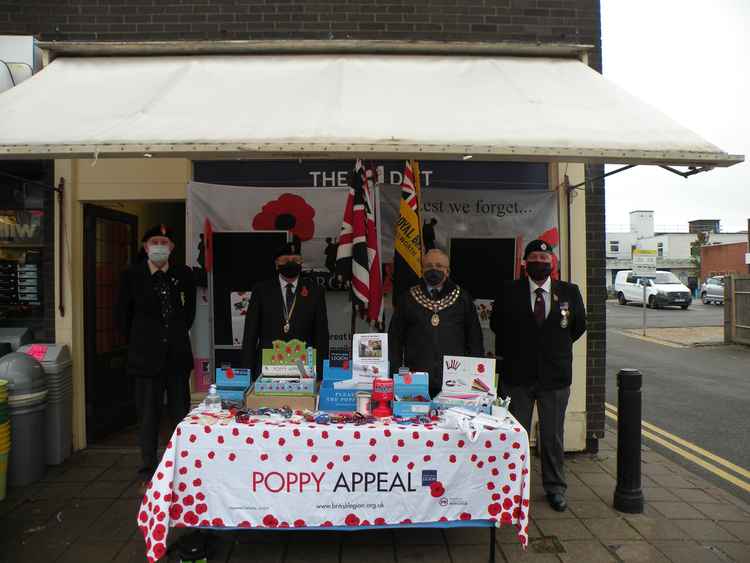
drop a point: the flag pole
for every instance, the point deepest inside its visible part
(418, 191)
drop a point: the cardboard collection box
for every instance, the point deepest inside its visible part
(294, 402)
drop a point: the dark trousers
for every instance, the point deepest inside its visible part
(149, 403)
(551, 405)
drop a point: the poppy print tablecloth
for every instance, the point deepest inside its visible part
(279, 474)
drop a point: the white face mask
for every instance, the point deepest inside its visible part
(159, 254)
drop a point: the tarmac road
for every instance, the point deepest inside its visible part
(699, 394)
(631, 315)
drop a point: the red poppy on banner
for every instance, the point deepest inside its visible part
(289, 212)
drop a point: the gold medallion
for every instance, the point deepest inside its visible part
(435, 319)
(286, 328)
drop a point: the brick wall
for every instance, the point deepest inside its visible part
(723, 259)
(558, 21)
(596, 354)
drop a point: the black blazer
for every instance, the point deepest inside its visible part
(264, 321)
(531, 354)
(138, 317)
(414, 342)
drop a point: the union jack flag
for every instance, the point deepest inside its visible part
(408, 191)
(358, 255)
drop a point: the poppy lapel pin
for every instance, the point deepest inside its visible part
(303, 292)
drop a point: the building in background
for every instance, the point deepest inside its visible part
(724, 258)
(677, 252)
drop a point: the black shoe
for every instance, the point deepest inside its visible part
(557, 502)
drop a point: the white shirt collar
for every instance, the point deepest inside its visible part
(283, 281)
(546, 286)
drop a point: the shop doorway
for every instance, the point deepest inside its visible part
(112, 242)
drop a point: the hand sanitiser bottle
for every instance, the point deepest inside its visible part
(213, 400)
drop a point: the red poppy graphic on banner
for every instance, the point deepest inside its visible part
(287, 213)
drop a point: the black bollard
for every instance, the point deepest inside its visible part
(628, 494)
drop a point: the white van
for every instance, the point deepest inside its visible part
(665, 289)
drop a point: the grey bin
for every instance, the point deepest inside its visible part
(15, 336)
(58, 368)
(27, 403)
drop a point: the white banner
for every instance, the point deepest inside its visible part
(314, 216)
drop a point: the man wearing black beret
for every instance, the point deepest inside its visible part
(536, 320)
(154, 311)
(285, 307)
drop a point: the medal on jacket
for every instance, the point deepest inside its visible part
(434, 306)
(564, 314)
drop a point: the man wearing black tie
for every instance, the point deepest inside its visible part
(536, 321)
(286, 307)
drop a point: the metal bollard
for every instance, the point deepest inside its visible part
(628, 494)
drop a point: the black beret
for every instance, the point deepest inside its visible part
(288, 248)
(158, 231)
(537, 246)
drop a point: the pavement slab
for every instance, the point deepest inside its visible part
(736, 551)
(257, 553)
(681, 551)
(704, 530)
(585, 550)
(637, 552)
(682, 510)
(656, 528)
(568, 529)
(421, 554)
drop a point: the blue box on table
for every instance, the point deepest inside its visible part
(233, 383)
(332, 399)
(409, 385)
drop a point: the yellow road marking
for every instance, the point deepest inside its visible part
(713, 457)
(691, 457)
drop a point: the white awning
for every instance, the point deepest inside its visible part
(224, 106)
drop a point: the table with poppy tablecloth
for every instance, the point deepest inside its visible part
(220, 474)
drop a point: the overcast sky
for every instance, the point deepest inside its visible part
(690, 59)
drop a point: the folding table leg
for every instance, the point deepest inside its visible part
(492, 544)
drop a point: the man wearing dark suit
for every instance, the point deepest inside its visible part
(433, 319)
(286, 307)
(155, 310)
(536, 321)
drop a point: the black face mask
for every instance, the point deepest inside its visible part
(433, 277)
(290, 269)
(538, 271)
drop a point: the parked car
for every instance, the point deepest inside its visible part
(665, 289)
(712, 290)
